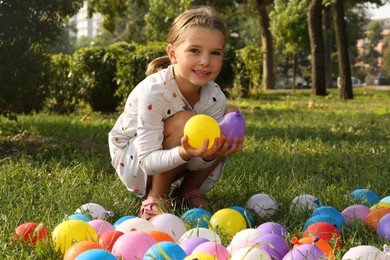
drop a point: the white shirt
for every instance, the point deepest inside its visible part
(136, 139)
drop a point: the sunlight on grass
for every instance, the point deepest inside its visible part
(294, 144)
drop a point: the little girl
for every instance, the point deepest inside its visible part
(148, 148)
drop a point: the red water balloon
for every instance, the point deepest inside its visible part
(31, 232)
(324, 230)
(108, 238)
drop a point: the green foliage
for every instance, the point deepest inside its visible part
(22, 81)
(123, 20)
(28, 28)
(386, 60)
(95, 69)
(370, 54)
(226, 76)
(247, 72)
(50, 165)
(243, 24)
(289, 25)
(131, 67)
(99, 76)
(110, 10)
(63, 92)
(159, 19)
(374, 32)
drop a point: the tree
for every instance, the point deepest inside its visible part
(122, 20)
(342, 50)
(66, 40)
(328, 44)
(28, 28)
(343, 53)
(371, 55)
(358, 16)
(267, 44)
(289, 28)
(317, 49)
(386, 60)
(243, 23)
(161, 14)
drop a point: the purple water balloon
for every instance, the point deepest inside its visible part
(305, 252)
(233, 125)
(355, 212)
(273, 228)
(275, 245)
(383, 227)
(190, 244)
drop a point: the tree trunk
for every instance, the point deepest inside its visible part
(342, 51)
(328, 47)
(267, 44)
(314, 20)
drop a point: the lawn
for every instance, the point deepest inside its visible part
(294, 144)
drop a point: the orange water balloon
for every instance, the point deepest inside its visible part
(80, 247)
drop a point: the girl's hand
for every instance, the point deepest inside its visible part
(220, 148)
(187, 151)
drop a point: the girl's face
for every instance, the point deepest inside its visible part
(198, 59)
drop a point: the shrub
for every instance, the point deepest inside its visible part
(131, 68)
(63, 92)
(226, 77)
(94, 70)
(22, 80)
(247, 71)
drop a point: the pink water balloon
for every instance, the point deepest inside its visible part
(101, 226)
(214, 249)
(133, 245)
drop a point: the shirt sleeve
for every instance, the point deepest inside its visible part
(153, 106)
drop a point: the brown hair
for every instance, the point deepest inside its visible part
(203, 16)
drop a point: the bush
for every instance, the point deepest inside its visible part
(247, 71)
(104, 76)
(100, 76)
(63, 92)
(22, 81)
(131, 68)
(226, 77)
(94, 69)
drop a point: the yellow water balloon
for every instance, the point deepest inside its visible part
(380, 205)
(227, 221)
(201, 127)
(69, 232)
(201, 256)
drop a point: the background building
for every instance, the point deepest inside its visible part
(84, 26)
(374, 79)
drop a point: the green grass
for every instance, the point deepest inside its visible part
(295, 144)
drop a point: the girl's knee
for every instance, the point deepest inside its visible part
(178, 120)
(230, 108)
(174, 128)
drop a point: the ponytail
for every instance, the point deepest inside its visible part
(158, 64)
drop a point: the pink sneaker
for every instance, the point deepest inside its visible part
(152, 207)
(195, 193)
